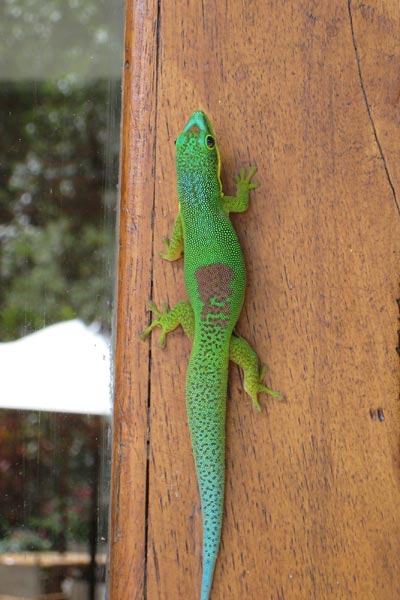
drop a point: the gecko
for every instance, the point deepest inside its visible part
(215, 278)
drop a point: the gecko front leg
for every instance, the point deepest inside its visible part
(240, 202)
(174, 246)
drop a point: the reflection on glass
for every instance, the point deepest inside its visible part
(60, 68)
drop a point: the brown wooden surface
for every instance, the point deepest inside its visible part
(310, 92)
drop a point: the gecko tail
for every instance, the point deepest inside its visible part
(211, 483)
(205, 399)
(207, 578)
(212, 525)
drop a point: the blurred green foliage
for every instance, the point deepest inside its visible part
(60, 71)
(58, 190)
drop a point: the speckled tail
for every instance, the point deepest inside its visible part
(207, 578)
(206, 406)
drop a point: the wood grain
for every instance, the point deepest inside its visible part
(128, 540)
(310, 92)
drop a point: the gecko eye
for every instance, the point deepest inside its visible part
(210, 142)
(175, 142)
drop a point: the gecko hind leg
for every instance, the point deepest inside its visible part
(170, 319)
(241, 353)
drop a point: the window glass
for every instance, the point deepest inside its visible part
(60, 95)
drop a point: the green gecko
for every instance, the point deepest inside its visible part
(215, 279)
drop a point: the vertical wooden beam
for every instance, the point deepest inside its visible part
(129, 477)
(309, 93)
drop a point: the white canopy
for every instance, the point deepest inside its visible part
(63, 368)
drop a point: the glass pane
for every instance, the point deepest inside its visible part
(60, 95)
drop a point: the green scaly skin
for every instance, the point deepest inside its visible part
(215, 279)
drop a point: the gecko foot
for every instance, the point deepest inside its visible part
(263, 388)
(161, 321)
(243, 181)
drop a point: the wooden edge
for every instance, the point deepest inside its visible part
(128, 536)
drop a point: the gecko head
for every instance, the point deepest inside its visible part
(197, 155)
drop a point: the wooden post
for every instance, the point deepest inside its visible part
(130, 435)
(309, 93)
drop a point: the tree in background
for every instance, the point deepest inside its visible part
(58, 189)
(60, 79)
(60, 73)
